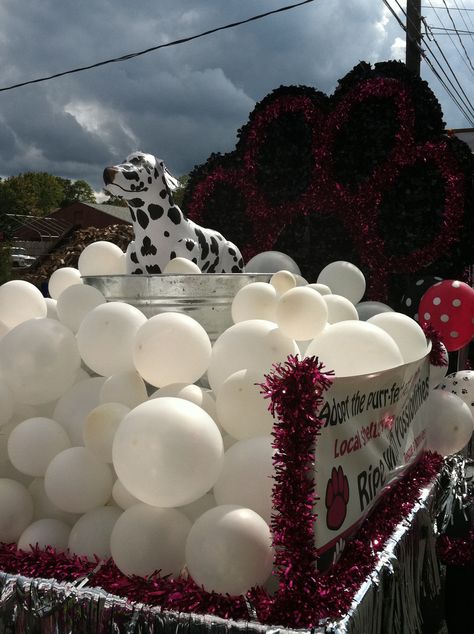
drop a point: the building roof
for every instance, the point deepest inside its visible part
(46, 228)
(466, 135)
(113, 210)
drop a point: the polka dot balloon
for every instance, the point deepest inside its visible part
(414, 292)
(449, 307)
(462, 385)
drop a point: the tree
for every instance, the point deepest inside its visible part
(178, 194)
(114, 200)
(77, 191)
(39, 193)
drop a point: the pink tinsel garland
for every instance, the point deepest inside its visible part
(456, 551)
(356, 207)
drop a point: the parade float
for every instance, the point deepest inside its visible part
(203, 435)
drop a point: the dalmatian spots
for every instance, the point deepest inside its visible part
(174, 214)
(153, 269)
(147, 247)
(142, 219)
(155, 211)
(162, 232)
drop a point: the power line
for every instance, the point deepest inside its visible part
(467, 12)
(463, 103)
(183, 40)
(460, 40)
(463, 18)
(448, 31)
(465, 108)
(424, 6)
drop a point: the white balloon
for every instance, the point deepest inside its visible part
(271, 262)
(181, 266)
(450, 423)
(257, 300)
(254, 344)
(168, 452)
(146, 539)
(39, 359)
(301, 313)
(61, 279)
(241, 409)
(5, 431)
(460, 383)
(200, 506)
(300, 280)
(7, 470)
(51, 308)
(406, 333)
(20, 301)
(90, 535)
(322, 289)
(122, 497)
(77, 481)
(229, 538)
(283, 281)
(106, 337)
(22, 411)
(246, 477)
(352, 348)
(75, 404)
(344, 278)
(366, 310)
(100, 426)
(126, 387)
(339, 308)
(171, 348)
(34, 443)
(101, 258)
(44, 508)
(190, 392)
(45, 532)
(75, 302)
(6, 403)
(228, 441)
(17, 510)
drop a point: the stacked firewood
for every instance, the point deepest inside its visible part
(68, 251)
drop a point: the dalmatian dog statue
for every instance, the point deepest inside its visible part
(162, 232)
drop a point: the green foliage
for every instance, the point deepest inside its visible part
(114, 200)
(178, 195)
(77, 191)
(39, 193)
(5, 264)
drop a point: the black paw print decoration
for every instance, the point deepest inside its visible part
(366, 175)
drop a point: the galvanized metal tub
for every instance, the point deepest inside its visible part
(205, 297)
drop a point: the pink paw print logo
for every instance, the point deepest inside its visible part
(337, 497)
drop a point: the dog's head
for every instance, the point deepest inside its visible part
(140, 172)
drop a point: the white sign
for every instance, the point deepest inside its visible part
(372, 429)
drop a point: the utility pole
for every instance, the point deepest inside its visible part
(413, 36)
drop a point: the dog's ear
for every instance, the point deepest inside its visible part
(171, 181)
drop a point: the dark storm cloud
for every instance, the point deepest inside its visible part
(180, 103)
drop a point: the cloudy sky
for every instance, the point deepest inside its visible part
(184, 102)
